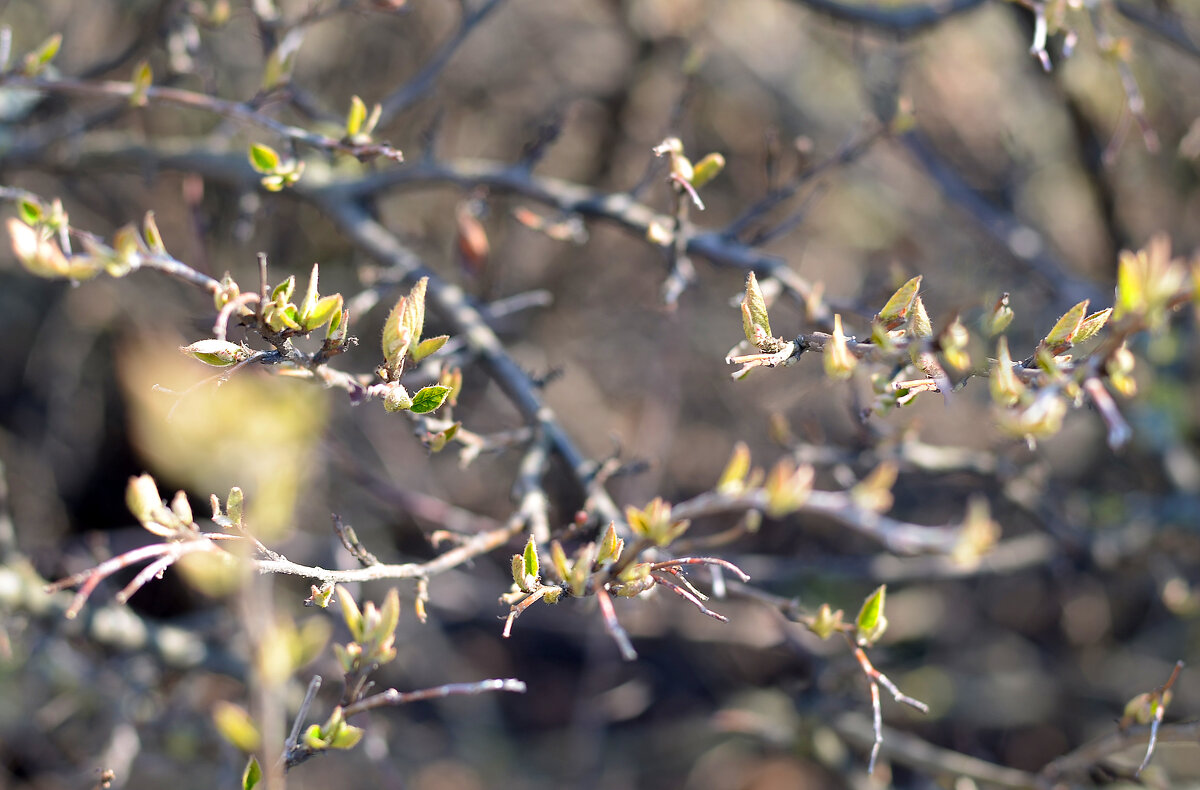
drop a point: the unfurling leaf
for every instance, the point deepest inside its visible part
(874, 492)
(252, 774)
(1092, 324)
(236, 725)
(733, 479)
(264, 158)
(871, 622)
(788, 487)
(754, 309)
(402, 331)
(36, 61)
(610, 546)
(142, 77)
(827, 622)
(1000, 317)
(154, 240)
(1062, 336)
(838, 359)
(428, 346)
(356, 116)
(532, 566)
(895, 312)
(707, 169)
(218, 353)
(1006, 387)
(327, 310)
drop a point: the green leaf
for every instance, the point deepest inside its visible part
(36, 61)
(282, 292)
(1065, 329)
(309, 302)
(252, 775)
(1001, 316)
(707, 169)
(827, 622)
(895, 311)
(356, 116)
(754, 309)
(153, 238)
(530, 559)
(327, 309)
(402, 331)
(264, 158)
(1092, 324)
(30, 211)
(871, 623)
(218, 353)
(429, 398)
(142, 78)
(236, 726)
(346, 737)
(734, 477)
(428, 346)
(351, 613)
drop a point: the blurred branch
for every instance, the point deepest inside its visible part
(236, 111)
(418, 86)
(1021, 241)
(114, 626)
(1160, 24)
(1085, 757)
(716, 246)
(900, 20)
(908, 749)
(901, 537)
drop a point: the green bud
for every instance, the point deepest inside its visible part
(218, 353)
(707, 169)
(142, 498)
(397, 398)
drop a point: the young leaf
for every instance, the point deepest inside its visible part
(35, 61)
(754, 309)
(309, 303)
(1001, 316)
(1092, 324)
(1065, 329)
(327, 309)
(839, 362)
(218, 353)
(707, 169)
(895, 312)
(429, 398)
(428, 346)
(142, 78)
(1006, 387)
(532, 567)
(252, 774)
(154, 240)
(356, 116)
(236, 725)
(264, 158)
(733, 478)
(30, 211)
(871, 623)
(402, 331)
(827, 622)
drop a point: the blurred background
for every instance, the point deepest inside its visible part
(1011, 180)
